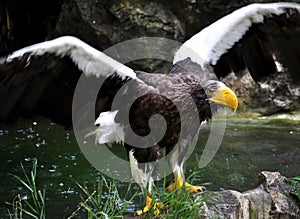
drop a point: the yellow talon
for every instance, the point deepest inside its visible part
(192, 189)
(156, 206)
(179, 183)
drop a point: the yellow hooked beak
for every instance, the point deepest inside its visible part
(225, 96)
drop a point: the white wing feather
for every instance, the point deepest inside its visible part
(87, 58)
(208, 45)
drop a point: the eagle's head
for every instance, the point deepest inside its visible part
(220, 94)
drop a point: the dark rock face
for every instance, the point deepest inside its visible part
(270, 199)
(26, 22)
(100, 23)
(276, 93)
(105, 23)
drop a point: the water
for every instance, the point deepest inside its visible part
(248, 147)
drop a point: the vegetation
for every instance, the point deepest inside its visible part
(295, 182)
(104, 200)
(99, 205)
(177, 204)
(34, 206)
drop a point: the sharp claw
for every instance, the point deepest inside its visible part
(203, 188)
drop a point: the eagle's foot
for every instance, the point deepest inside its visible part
(193, 189)
(156, 206)
(188, 187)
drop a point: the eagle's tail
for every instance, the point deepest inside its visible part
(107, 131)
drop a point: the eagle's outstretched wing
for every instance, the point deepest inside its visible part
(41, 79)
(260, 37)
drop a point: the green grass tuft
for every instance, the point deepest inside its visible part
(295, 183)
(99, 205)
(178, 203)
(34, 206)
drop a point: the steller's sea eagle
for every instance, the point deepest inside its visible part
(41, 80)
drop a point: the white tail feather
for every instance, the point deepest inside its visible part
(139, 176)
(107, 131)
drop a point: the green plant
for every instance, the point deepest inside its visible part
(99, 205)
(105, 202)
(34, 206)
(295, 183)
(178, 203)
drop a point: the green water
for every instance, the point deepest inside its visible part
(248, 147)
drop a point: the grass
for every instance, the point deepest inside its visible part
(34, 206)
(104, 200)
(178, 203)
(99, 205)
(295, 183)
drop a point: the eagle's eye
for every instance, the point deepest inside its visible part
(209, 92)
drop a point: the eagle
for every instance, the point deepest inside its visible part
(150, 114)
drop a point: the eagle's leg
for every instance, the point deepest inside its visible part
(144, 178)
(176, 160)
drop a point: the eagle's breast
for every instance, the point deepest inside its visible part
(176, 99)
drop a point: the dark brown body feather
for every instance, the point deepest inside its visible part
(178, 98)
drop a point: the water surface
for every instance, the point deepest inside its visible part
(248, 147)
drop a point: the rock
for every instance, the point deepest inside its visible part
(270, 199)
(276, 93)
(244, 87)
(105, 23)
(273, 94)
